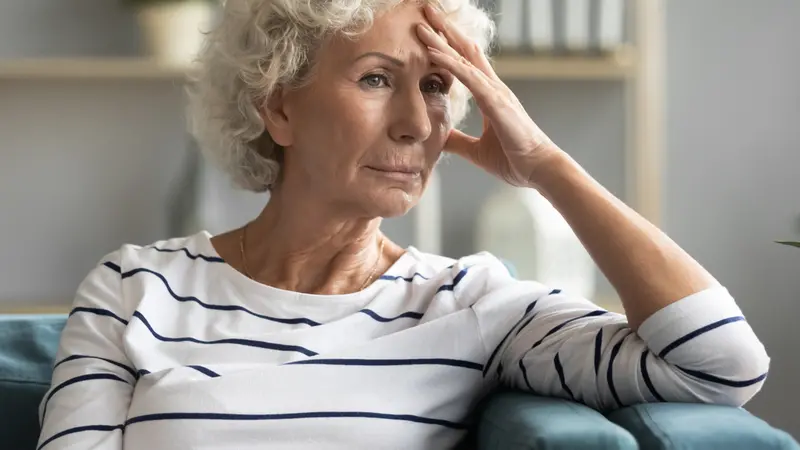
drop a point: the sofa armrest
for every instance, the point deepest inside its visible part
(667, 426)
(28, 346)
(512, 420)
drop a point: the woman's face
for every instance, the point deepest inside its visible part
(367, 131)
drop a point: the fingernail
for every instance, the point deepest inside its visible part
(427, 28)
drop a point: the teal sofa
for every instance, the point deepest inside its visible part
(506, 420)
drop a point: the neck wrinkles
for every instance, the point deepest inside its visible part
(305, 246)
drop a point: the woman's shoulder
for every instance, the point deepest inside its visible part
(184, 250)
(171, 262)
(482, 262)
(470, 278)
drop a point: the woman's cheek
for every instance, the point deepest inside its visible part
(441, 126)
(441, 119)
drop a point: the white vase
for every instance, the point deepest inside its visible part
(521, 227)
(174, 31)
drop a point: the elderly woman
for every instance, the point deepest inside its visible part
(307, 328)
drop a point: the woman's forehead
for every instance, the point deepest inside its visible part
(393, 33)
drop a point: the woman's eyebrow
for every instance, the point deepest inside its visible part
(391, 59)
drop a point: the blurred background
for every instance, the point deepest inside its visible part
(687, 109)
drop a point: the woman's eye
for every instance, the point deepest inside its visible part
(434, 87)
(375, 81)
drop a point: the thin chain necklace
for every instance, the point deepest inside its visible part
(375, 267)
(363, 285)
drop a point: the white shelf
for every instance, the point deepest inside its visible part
(89, 69)
(618, 65)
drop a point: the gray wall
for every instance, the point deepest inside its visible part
(733, 168)
(85, 166)
(58, 28)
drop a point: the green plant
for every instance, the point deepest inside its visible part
(791, 243)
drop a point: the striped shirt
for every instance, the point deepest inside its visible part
(169, 347)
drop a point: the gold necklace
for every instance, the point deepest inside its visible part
(375, 267)
(363, 285)
(241, 251)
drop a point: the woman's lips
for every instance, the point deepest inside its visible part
(397, 173)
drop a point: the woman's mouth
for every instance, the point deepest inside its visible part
(407, 174)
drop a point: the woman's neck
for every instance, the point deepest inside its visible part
(312, 248)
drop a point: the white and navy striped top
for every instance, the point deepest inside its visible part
(169, 347)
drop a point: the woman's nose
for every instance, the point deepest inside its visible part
(411, 122)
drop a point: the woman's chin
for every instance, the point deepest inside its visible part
(393, 202)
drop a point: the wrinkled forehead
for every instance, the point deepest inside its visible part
(393, 32)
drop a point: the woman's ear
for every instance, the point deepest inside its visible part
(276, 121)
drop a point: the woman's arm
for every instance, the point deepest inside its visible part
(647, 269)
(698, 349)
(575, 350)
(685, 338)
(93, 379)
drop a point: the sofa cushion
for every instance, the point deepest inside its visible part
(520, 421)
(674, 426)
(28, 347)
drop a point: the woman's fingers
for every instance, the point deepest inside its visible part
(459, 41)
(476, 81)
(433, 39)
(447, 57)
(462, 144)
(439, 23)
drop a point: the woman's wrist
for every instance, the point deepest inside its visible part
(551, 169)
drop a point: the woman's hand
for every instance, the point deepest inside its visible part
(511, 146)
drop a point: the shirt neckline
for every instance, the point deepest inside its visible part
(399, 267)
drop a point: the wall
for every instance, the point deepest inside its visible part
(84, 166)
(733, 168)
(38, 28)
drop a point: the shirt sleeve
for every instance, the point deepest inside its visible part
(698, 349)
(93, 379)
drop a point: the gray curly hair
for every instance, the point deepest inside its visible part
(261, 45)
